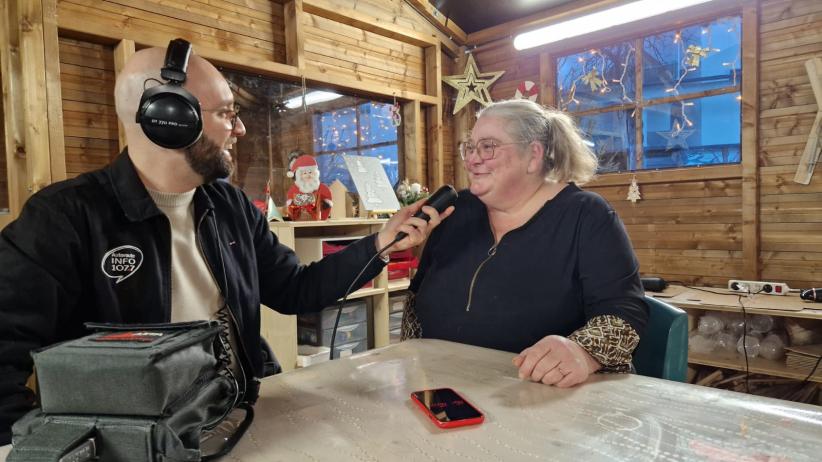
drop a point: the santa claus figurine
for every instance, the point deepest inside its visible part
(308, 199)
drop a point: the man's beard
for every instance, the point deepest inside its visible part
(206, 158)
(307, 186)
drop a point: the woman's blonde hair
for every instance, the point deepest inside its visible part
(566, 156)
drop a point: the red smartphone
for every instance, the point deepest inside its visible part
(446, 408)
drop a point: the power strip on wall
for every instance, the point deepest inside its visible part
(758, 287)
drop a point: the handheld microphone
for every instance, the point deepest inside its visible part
(811, 295)
(440, 200)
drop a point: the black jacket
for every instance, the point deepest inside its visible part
(97, 248)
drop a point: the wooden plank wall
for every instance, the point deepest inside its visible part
(450, 132)
(89, 117)
(339, 49)
(791, 213)
(253, 28)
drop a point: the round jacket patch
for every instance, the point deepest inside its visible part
(121, 262)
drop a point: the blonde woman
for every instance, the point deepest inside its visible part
(529, 262)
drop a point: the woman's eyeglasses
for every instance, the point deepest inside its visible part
(486, 149)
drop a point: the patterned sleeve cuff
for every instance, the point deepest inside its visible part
(610, 340)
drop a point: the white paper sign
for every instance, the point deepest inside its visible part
(372, 183)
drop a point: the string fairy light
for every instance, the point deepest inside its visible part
(621, 79)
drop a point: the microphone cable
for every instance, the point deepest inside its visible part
(442, 198)
(348, 291)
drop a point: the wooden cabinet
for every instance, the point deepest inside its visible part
(699, 302)
(305, 237)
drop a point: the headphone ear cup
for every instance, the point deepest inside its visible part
(170, 116)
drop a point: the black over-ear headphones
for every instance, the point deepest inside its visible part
(168, 114)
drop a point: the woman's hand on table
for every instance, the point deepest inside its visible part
(555, 360)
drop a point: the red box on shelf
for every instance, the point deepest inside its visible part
(329, 248)
(401, 269)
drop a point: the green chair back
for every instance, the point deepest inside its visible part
(663, 350)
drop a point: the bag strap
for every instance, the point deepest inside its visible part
(232, 440)
(56, 442)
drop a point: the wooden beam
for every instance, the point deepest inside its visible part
(436, 164)
(638, 73)
(122, 52)
(14, 136)
(54, 96)
(413, 140)
(547, 80)
(750, 146)
(352, 17)
(433, 71)
(462, 123)
(294, 34)
(673, 175)
(439, 21)
(35, 96)
(433, 119)
(332, 78)
(695, 95)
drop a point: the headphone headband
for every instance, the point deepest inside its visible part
(176, 65)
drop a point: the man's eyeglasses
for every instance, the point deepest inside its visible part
(229, 114)
(486, 149)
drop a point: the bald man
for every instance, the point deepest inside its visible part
(154, 238)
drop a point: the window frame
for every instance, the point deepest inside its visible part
(749, 11)
(639, 104)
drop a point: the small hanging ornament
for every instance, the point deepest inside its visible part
(593, 80)
(694, 54)
(396, 117)
(633, 191)
(526, 90)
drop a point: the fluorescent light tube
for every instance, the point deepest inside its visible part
(600, 20)
(312, 97)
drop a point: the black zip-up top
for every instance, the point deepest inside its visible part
(97, 248)
(572, 261)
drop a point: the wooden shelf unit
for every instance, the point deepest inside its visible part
(755, 365)
(281, 330)
(689, 300)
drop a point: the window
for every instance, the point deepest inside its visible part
(279, 127)
(680, 108)
(362, 130)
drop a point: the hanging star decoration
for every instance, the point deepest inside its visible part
(633, 191)
(593, 80)
(472, 85)
(676, 137)
(694, 54)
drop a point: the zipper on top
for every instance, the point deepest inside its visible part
(491, 252)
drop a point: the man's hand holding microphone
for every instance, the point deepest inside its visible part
(412, 224)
